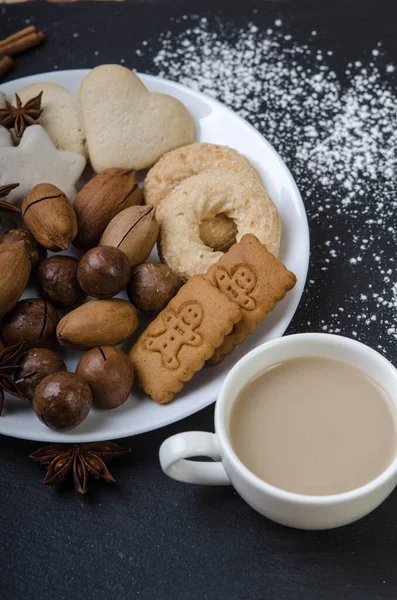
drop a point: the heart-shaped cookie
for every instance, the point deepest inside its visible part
(126, 126)
(61, 116)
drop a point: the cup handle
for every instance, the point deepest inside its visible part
(175, 449)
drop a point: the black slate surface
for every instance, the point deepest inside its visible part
(150, 537)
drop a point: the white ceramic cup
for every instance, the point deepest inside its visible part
(295, 510)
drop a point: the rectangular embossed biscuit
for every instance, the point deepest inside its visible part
(255, 280)
(182, 337)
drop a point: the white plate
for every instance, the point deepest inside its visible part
(218, 124)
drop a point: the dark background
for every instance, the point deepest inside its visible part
(149, 536)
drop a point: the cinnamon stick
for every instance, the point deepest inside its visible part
(5, 64)
(19, 44)
(17, 35)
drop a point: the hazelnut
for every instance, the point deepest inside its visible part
(57, 278)
(62, 401)
(34, 250)
(103, 272)
(33, 321)
(152, 286)
(34, 366)
(109, 373)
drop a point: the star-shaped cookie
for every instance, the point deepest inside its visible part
(37, 160)
(5, 135)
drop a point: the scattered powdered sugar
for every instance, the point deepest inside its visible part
(338, 134)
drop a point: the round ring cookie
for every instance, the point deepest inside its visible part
(184, 162)
(219, 233)
(243, 200)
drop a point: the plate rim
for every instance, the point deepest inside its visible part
(64, 437)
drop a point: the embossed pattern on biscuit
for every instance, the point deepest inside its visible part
(238, 284)
(198, 317)
(179, 330)
(272, 282)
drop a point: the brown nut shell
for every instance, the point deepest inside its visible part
(57, 278)
(35, 251)
(32, 321)
(34, 366)
(49, 216)
(134, 231)
(219, 233)
(103, 271)
(62, 401)
(152, 285)
(109, 373)
(103, 197)
(98, 323)
(14, 274)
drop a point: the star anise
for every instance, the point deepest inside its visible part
(4, 191)
(80, 459)
(8, 363)
(21, 116)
